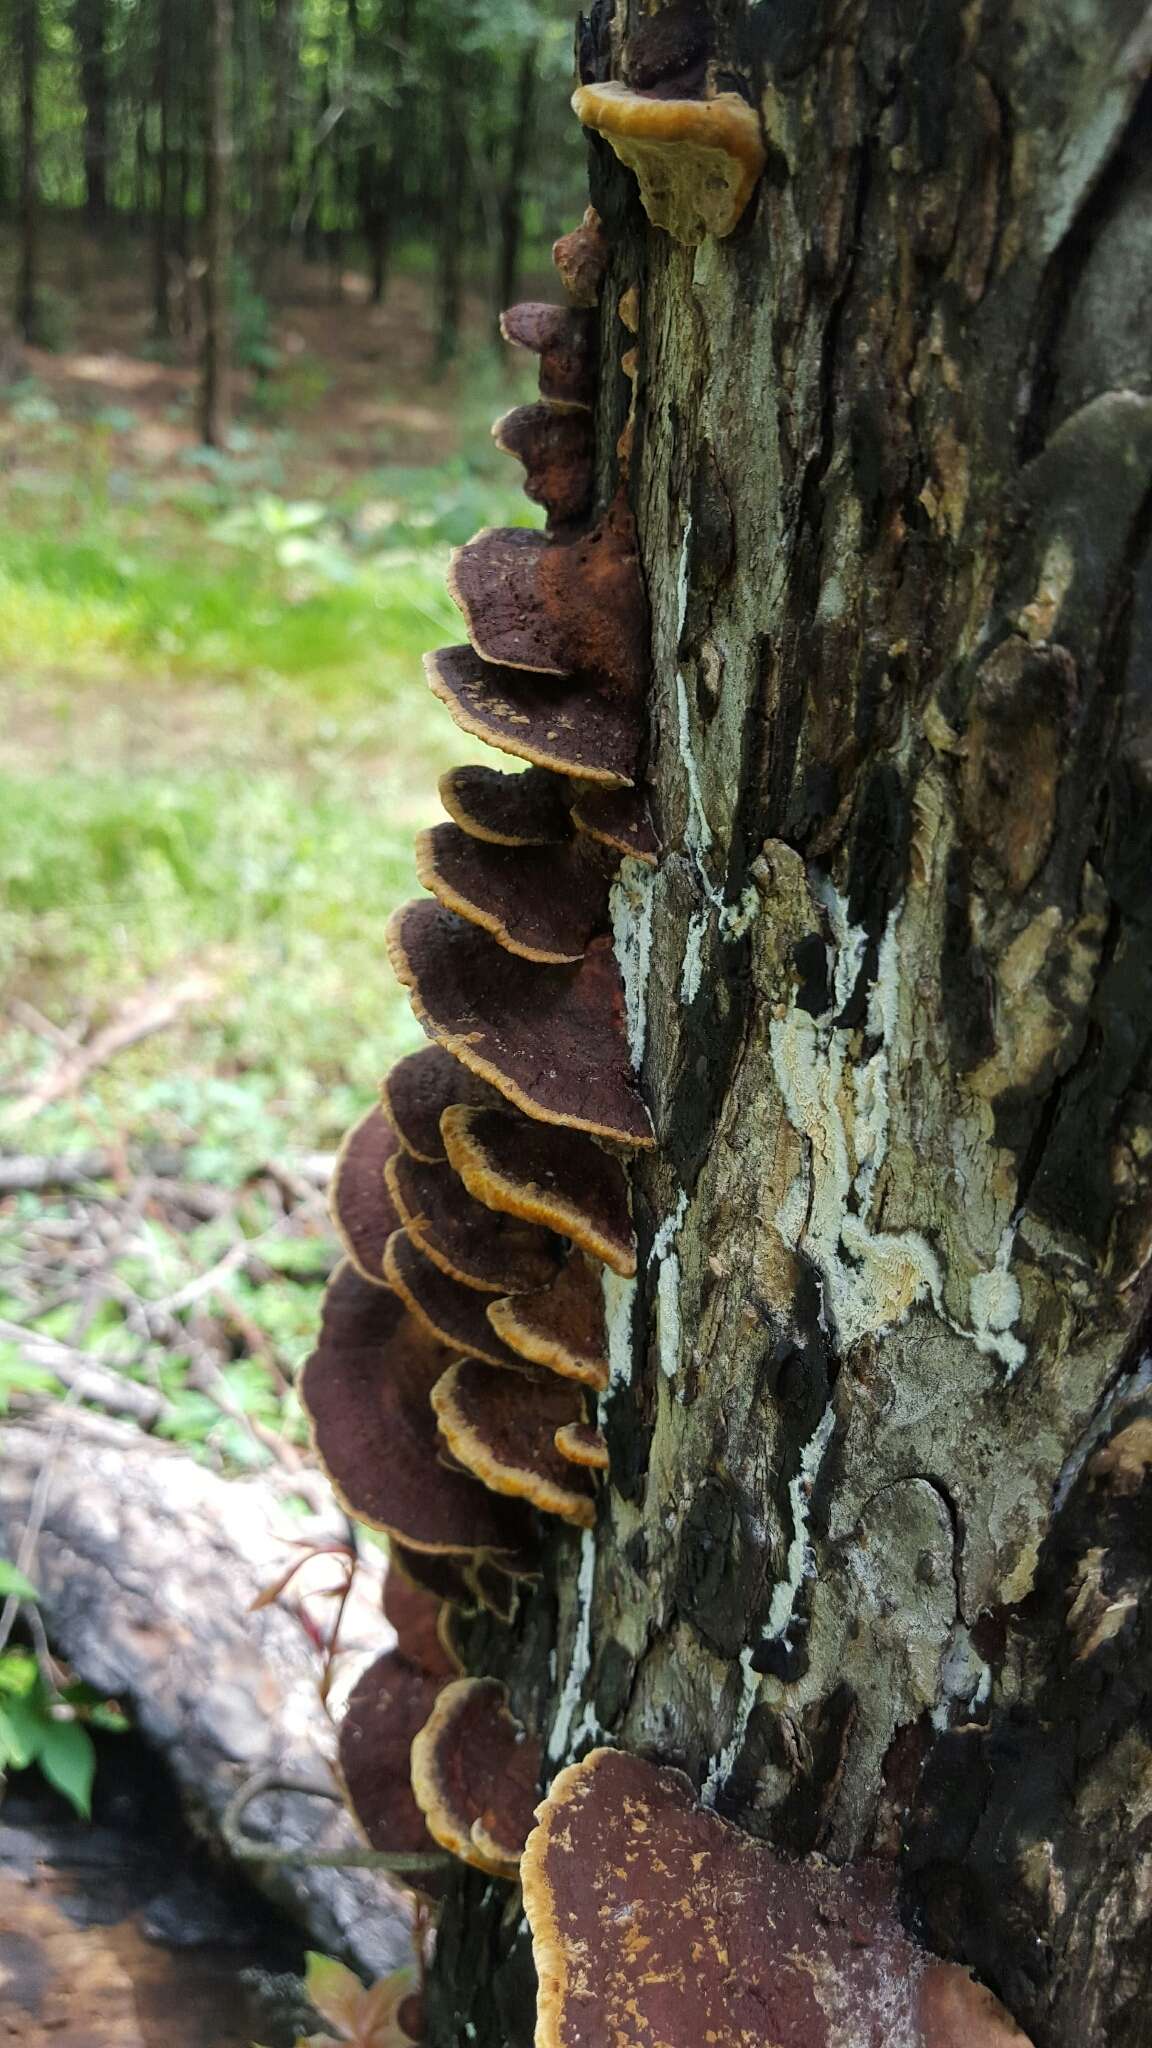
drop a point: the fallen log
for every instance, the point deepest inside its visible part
(147, 1564)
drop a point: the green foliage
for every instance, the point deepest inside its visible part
(45, 1724)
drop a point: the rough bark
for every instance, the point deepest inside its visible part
(866, 1566)
(147, 1565)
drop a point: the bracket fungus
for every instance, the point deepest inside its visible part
(472, 1244)
(556, 607)
(445, 1307)
(581, 258)
(697, 161)
(525, 808)
(362, 1210)
(475, 1774)
(564, 1181)
(416, 1614)
(443, 1577)
(502, 1427)
(618, 818)
(367, 1393)
(417, 1091)
(551, 1039)
(583, 1444)
(568, 727)
(387, 1707)
(555, 444)
(695, 1932)
(564, 338)
(545, 905)
(562, 1326)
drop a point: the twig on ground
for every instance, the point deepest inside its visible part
(87, 1378)
(249, 1849)
(140, 1017)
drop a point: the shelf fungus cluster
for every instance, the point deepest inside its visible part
(463, 1335)
(654, 1921)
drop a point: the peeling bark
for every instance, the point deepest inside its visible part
(873, 1562)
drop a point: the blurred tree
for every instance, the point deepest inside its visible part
(218, 230)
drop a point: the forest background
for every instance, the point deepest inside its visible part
(252, 257)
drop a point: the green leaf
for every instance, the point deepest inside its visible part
(68, 1760)
(22, 1729)
(19, 1673)
(335, 1991)
(14, 1581)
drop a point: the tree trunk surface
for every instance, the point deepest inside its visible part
(215, 396)
(147, 1565)
(873, 1561)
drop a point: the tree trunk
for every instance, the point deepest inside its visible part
(216, 399)
(161, 254)
(873, 1564)
(511, 203)
(451, 211)
(28, 280)
(90, 21)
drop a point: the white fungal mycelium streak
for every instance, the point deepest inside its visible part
(667, 1264)
(619, 1305)
(724, 1762)
(581, 1660)
(630, 905)
(692, 965)
(871, 1278)
(801, 1559)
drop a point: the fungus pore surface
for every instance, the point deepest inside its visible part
(697, 161)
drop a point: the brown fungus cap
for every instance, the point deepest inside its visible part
(562, 1326)
(448, 1310)
(582, 1444)
(502, 1426)
(362, 1209)
(545, 904)
(367, 1393)
(556, 444)
(444, 1577)
(565, 340)
(618, 818)
(697, 161)
(694, 1932)
(551, 1039)
(416, 1093)
(525, 809)
(562, 608)
(387, 1707)
(415, 1616)
(581, 259)
(568, 726)
(470, 1243)
(475, 1774)
(560, 1179)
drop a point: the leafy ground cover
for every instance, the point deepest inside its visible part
(215, 748)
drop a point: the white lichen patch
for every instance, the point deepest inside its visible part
(842, 1108)
(723, 1764)
(697, 830)
(619, 1306)
(692, 965)
(580, 1663)
(801, 1559)
(630, 906)
(663, 1257)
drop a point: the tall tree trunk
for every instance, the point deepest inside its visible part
(28, 280)
(275, 147)
(216, 398)
(874, 1559)
(510, 224)
(451, 214)
(161, 252)
(90, 22)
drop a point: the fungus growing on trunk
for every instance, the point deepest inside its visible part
(556, 607)
(367, 1393)
(583, 1444)
(618, 818)
(566, 1182)
(502, 1427)
(475, 1774)
(417, 1091)
(581, 258)
(415, 1614)
(562, 1326)
(446, 1578)
(545, 905)
(525, 809)
(445, 1307)
(472, 1244)
(565, 341)
(695, 1932)
(570, 727)
(387, 1707)
(361, 1208)
(697, 161)
(555, 444)
(551, 1039)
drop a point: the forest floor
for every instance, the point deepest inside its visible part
(215, 749)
